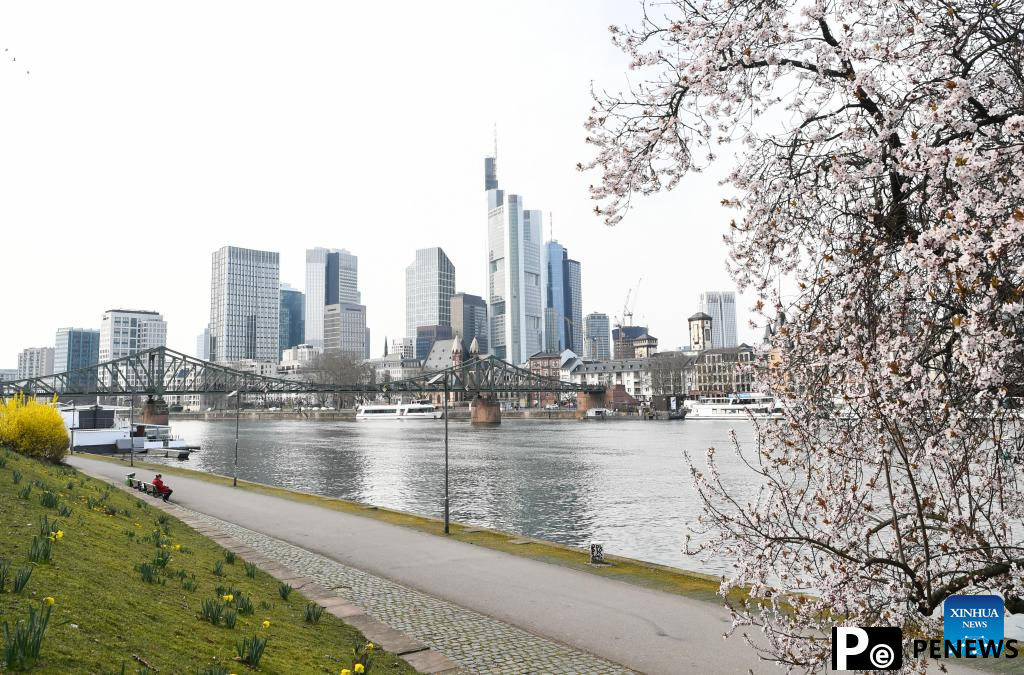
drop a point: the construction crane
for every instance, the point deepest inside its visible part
(627, 309)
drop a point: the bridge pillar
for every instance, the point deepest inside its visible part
(154, 411)
(585, 400)
(485, 411)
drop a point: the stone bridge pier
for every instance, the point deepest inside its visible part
(485, 410)
(154, 411)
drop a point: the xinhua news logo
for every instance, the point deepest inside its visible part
(856, 648)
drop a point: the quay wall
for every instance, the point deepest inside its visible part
(350, 414)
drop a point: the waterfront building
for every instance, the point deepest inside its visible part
(203, 345)
(720, 372)
(345, 329)
(297, 358)
(563, 313)
(253, 366)
(721, 307)
(597, 340)
(124, 332)
(426, 336)
(515, 271)
(469, 320)
(35, 362)
(403, 347)
(395, 367)
(632, 375)
(622, 340)
(293, 318)
(429, 287)
(332, 277)
(77, 348)
(8, 374)
(544, 364)
(701, 332)
(245, 305)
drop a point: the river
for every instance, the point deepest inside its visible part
(625, 483)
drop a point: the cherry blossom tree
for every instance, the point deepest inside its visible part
(880, 170)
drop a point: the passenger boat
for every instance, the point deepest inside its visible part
(420, 410)
(739, 407)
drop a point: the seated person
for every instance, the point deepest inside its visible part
(164, 491)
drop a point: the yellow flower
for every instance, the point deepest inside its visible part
(60, 534)
(370, 646)
(49, 600)
(163, 545)
(228, 597)
(138, 524)
(346, 671)
(266, 624)
(176, 547)
(359, 668)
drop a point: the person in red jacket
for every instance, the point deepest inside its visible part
(164, 491)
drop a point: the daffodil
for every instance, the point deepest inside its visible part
(176, 547)
(49, 600)
(370, 646)
(59, 534)
(266, 624)
(345, 671)
(228, 598)
(138, 524)
(359, 668)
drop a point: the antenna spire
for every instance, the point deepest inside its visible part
(551, 226)
(495, 140)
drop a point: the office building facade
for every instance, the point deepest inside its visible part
(332, 277)
(35, 362)
(245, 305)
(124, 332)
(514, 273)
(345, 329)
(721, 307)
(597, 340)
(76, 348)
(293, 318)
(203, 345)
(469, 321)
(563, 300)
(429, 287)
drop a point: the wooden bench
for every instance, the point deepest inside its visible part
(142, 486)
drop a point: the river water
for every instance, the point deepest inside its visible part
(625, 483)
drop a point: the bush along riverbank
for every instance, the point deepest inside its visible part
(95, 580)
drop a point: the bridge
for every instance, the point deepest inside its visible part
(161, 371)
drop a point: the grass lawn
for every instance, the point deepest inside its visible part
(106, 619)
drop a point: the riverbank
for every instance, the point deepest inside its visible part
(349, 415)
(125, 583)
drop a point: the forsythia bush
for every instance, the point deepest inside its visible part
(33, 428)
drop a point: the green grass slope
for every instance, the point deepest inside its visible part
(106, 619)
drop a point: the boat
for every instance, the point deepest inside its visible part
(599, 413)
(104, 429)
(419, 410)
(738, 407)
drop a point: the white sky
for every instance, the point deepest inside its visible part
(146, 136)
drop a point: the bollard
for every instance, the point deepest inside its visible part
(597, 553)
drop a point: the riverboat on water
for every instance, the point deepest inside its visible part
(104, 429)
(420, 410)
(740, 407)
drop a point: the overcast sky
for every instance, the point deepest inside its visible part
(135, 139)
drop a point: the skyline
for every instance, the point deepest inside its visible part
(112, 156)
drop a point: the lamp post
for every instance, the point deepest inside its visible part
(237, 393)
(131, 429)
(446, 501)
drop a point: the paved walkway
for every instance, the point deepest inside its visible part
(487, 610)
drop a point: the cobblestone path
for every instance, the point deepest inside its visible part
(478, 643)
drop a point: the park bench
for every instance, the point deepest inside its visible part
(141, 485)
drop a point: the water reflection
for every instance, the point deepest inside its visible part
(625, 483)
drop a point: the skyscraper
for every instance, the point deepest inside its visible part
(429, 287)
(332, 277)
(345, 329)
(597, 345)
(721, 307)
(245, 305)
(76, 348)
(514, 272)
(563, 300)
(293, 318)
(203, 345)
(469, 320)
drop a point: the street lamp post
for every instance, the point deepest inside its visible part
(237, 393)
(446, 502)
(131, 429)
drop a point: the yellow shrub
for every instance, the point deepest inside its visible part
(33, 428)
